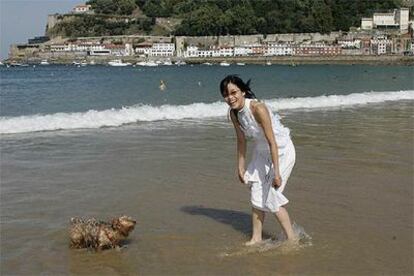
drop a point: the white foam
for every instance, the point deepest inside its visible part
(147, 113)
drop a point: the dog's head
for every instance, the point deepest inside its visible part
(124, 224)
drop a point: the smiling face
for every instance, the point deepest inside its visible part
(234, 97)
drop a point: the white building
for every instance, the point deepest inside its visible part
(205, 53)
(242, 51)
(278, 49)
(162, 50)
(74, 47)
(402, 16)
(381, 45)
(366, 23)
(191, 51)
(156, 49)
(350, 43)
(384, 20)
(223, 52)
(82, 8)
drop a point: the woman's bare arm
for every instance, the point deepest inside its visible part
(262, 116)
(241, 147)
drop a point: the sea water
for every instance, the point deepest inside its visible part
(102, 141)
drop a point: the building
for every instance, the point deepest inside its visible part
(365, 45)
(38, 39)
(366, 23)
(402, 16)
(162, 50)
(384, 20)
(191, 51)
(158, 49)
(397, 19)
(317, 49)
(278, 49)
(349, 43)
(82, 8)
(242, 51)
(381, 45)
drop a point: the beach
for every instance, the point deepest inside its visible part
(168, 160)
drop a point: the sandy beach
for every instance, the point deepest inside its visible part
(351, 190)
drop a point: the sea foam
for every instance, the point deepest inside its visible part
(147, 113)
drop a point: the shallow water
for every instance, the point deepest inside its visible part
(351, 190)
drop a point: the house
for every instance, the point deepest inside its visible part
(82, 8)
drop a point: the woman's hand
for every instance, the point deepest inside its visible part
(277, 181)
(241, 176)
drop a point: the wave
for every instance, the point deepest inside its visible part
(147, 113)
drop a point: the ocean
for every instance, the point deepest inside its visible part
(100, 141)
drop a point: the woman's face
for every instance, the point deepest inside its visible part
(234, 97)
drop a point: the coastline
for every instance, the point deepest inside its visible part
(279, 60)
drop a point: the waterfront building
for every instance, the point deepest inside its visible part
(205, 53)
(117, 49)
(317, 49)
(242, 51)
(222, 51)
(365, 45)
(381, 45)
(349, 43)
(278, 49)
(191, 51)
(162, 50)
(159, 49)
(143, 49)
(401, 44)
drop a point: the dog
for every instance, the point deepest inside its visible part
(98, 235)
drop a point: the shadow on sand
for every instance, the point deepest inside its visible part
(240, 221)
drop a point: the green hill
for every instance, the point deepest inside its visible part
(221, 17)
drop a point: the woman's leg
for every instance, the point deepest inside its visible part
(284, 220)
(257, 222)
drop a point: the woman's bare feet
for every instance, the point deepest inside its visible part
(252, 242)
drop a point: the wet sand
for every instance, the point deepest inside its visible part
(351, 190)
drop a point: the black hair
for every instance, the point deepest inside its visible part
(234, 79)
(244, 87)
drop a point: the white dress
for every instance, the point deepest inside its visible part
(259, 173)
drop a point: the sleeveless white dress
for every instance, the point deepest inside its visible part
(259, 173)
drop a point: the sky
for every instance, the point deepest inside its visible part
(24, 19)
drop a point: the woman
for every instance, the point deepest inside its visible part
(273, 157)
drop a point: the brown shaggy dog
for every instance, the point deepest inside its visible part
(91, 233)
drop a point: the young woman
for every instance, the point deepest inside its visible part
(273, 156)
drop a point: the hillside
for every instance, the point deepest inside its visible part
(220, 17)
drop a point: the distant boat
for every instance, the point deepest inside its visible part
(83, 63)
(268, 63)
(76, 63)
(92, 62)
(118, 62)
(167, 62)
(241, 63)
(147, 63)
(1, 63)
(16, 64)
(223, 63)
(44, 62)
(180, 62)
(207, 63)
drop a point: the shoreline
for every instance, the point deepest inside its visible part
(277, 60)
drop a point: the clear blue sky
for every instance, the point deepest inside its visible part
(24, 19)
